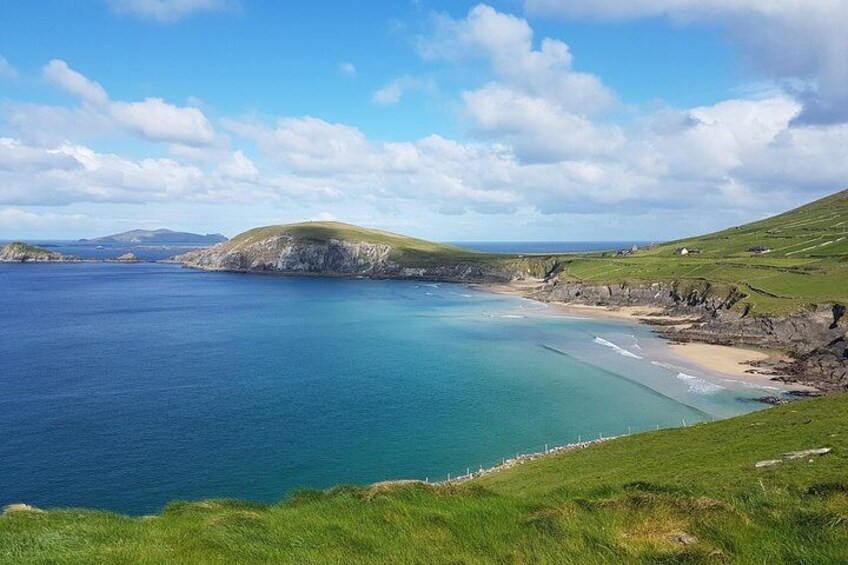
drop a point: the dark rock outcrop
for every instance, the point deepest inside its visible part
(125, 258)
(815, 337)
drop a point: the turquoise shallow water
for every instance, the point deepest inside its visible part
(127, 386)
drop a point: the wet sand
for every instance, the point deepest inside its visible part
(730, 362)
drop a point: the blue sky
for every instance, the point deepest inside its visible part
(536, 119)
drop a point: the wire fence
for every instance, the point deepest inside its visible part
(538, 451)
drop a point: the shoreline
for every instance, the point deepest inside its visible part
(749, 365)
(504, 465)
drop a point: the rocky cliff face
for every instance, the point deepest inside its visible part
(817, 337)
(287, 255)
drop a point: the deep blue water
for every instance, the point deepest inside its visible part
(127, 386)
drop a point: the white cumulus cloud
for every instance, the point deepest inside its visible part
(152, 119)
(531, 87)
(783, 39)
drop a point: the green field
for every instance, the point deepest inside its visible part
(687, 495)
(807, 262)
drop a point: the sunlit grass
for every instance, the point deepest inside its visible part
(682, 495)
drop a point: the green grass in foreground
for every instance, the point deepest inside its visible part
(627, 501)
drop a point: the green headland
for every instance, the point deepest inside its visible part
(780, 265)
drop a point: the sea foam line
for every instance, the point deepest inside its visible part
(698, 385)
(614, 347)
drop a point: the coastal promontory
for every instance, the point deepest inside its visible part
(19, 252)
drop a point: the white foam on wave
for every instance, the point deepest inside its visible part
(698, 385)
(747, 384)
(663, 365)
(614, 347)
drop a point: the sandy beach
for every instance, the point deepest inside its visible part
(736, 363)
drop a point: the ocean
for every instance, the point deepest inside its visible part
(126, 386)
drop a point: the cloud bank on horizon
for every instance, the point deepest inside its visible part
(544, 148)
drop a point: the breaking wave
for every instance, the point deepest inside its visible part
(614, 347)
(699, 386)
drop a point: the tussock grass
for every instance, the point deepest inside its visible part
(687, 495)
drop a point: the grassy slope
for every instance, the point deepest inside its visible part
(404, 248)
(623, 501)
(808, 264)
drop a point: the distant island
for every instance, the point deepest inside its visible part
(19, 252)
(160, 236)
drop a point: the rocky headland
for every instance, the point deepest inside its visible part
(814, 337)
(288, 252)
(18, 252)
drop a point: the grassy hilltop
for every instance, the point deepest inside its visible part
(687, 495)
(408, 250)
(807, 261)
